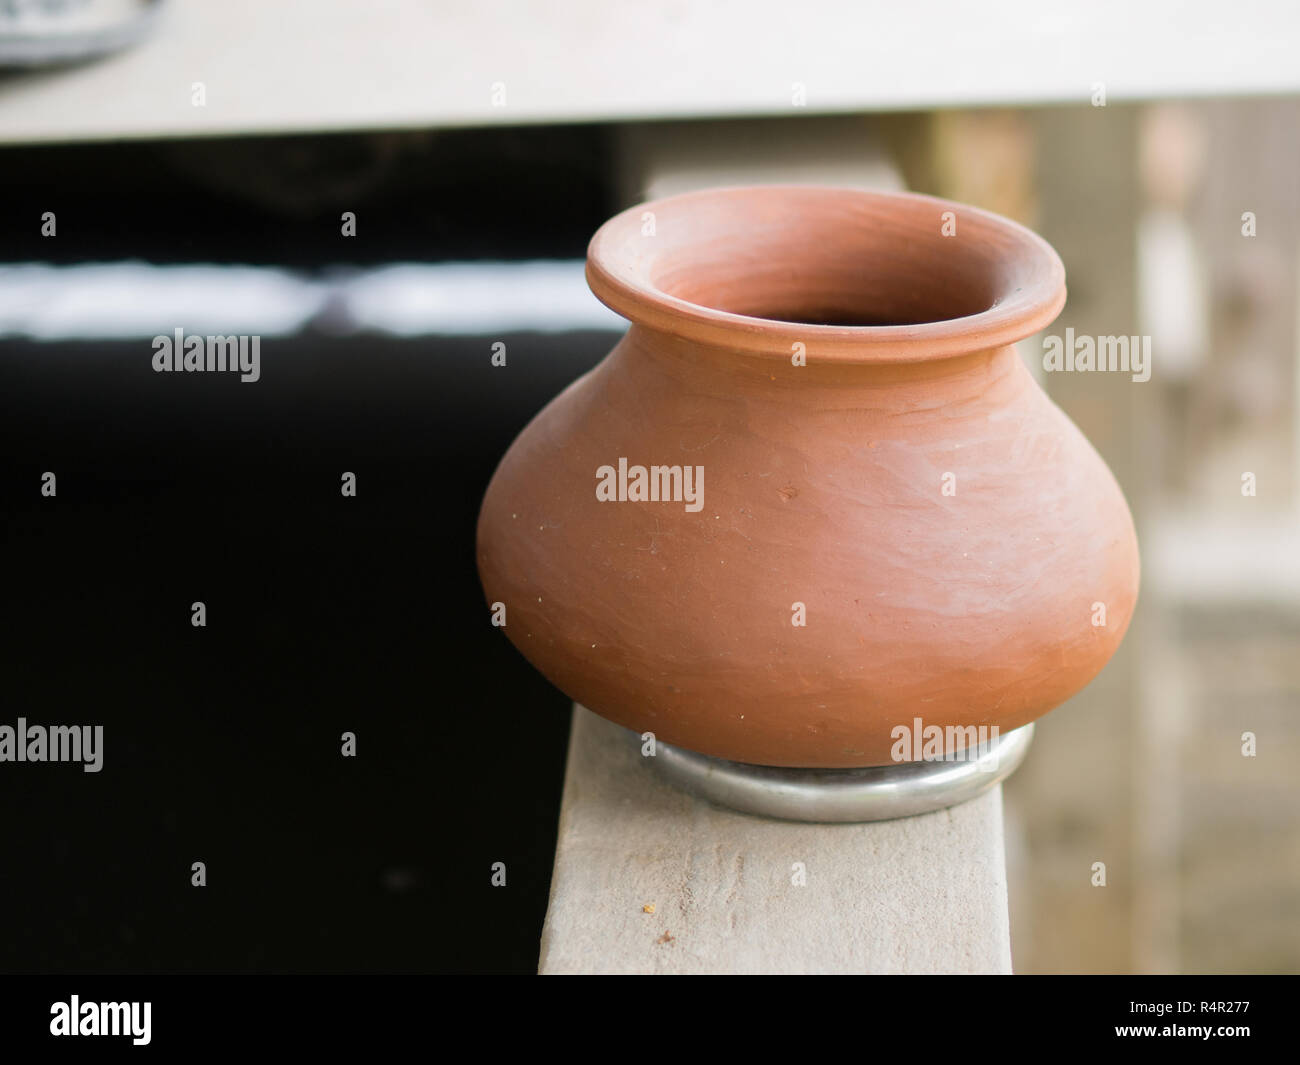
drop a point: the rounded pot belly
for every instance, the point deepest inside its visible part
(861, 555)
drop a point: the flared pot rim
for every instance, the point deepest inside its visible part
(690, 265)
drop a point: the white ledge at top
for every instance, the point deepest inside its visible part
(339, 65)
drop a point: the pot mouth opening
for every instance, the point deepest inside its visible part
(854, 275)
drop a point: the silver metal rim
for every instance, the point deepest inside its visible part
(875, 793)
(23, 49)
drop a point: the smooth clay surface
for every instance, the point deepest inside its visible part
(905, 489)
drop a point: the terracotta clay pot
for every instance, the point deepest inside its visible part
(876, 463)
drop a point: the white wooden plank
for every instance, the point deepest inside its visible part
(919, 895)
(299, 65)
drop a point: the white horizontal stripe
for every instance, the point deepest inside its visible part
(133, 299)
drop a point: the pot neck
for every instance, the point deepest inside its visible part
(723, 369)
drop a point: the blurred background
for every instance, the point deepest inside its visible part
(476, 153)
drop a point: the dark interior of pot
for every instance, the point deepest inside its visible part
(830, 257)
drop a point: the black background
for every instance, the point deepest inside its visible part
(324, 613)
